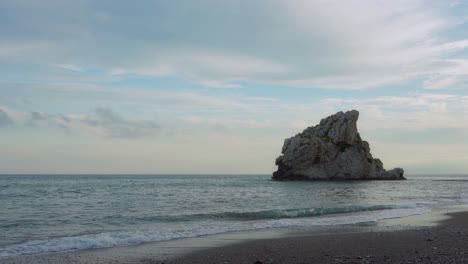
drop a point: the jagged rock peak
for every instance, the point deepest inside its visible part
(331, 150)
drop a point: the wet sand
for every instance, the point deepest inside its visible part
(439, 237)
(445, 243)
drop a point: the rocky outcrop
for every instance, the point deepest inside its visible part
(331, 150)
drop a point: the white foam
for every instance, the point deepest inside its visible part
(351, 218)
(114, 239)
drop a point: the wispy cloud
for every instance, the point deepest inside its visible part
(417, 111)
(71, 67)
(103, 122)
(114, 125)
(219, 84)
(37, 118)
(228, 123)
(210, 69)
(5, 120)
(103, 95)
(262, 99)
(454, 76)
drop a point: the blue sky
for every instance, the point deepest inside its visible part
(216, 86)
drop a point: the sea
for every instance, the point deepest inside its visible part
(55, 213)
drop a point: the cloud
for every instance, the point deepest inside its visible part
(71, 67)
(228, 123)
(415, 112)
(70, 93)
(18, 51)
(454, 76)
(321, 44)
(103, 122)
(262, 99)
(218, 84)
(5, 120)
(464, 20)
(323, 47)
(210, 69)
(43, 119)
(454, 3)
(114, 125)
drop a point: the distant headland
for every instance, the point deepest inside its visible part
(331, 150)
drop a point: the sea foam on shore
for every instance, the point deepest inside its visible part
(113, 239)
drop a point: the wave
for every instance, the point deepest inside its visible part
(260, 220)
(264, 214)
(452, 180)
(306, 212)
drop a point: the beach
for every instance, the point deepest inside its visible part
(444, 243)
(437, 237)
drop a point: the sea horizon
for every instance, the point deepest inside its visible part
(197, 174)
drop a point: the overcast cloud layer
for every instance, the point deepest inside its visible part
(197, 86)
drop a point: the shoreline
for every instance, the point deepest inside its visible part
(438, 237)
(395, 240)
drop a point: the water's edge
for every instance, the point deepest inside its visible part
(42, 214)
(255, 221)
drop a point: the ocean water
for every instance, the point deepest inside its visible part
(51, 213)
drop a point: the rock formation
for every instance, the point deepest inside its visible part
(332, 150)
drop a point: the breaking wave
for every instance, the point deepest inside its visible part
(244, 221)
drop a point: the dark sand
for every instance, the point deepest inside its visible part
(439, 237)
(444, 243)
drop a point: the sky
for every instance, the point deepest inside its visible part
(216, 86)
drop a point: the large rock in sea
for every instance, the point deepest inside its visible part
(331, 150)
